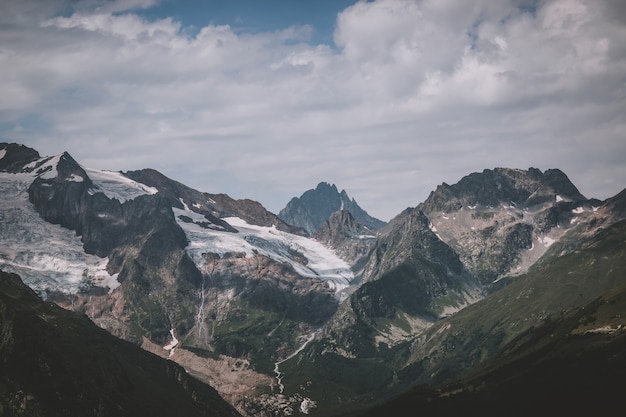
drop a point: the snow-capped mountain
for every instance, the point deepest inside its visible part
(156, 262)
(246, 301)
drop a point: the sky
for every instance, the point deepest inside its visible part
(265, 99)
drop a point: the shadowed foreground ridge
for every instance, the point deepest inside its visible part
(54, 362)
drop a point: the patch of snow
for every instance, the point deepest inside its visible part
(367, 237)
(76, 178)
(547, 241)
(559, 198)
(3, 152)
(594, 208)
(322, 264)
(306, 405)
(185, 206)
(471, 207)
(578, 210)
(116, 185)
(48, 170)
(48, 257)
(196, 205)
(171, 345)
(574, 220)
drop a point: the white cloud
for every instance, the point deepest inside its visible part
(414, 93)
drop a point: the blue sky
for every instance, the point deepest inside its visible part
(254, 16)
(264, 99)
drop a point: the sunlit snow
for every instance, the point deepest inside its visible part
(116, 185)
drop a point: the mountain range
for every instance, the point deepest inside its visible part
(322, 309)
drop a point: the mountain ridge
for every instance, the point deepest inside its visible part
(219, 283)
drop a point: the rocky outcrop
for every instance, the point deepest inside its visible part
(348, 238)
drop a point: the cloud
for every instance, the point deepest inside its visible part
(412, 93)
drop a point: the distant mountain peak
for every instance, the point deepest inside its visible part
(492, 187)
(311, 210)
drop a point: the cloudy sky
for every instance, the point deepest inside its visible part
(264, 99)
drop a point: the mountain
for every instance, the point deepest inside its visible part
(503, 220)
(56, 362)
(157, 263)
(425, 313)
(281, 321)
(314, 207)
(568, 359)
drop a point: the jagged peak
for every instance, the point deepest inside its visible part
(14, 156)
(493, 187)
(315, 206)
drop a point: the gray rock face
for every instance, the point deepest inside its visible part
(348, 238)
(213, 206)
(501, 221)
(314, 207)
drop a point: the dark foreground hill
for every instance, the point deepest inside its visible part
(54, 362)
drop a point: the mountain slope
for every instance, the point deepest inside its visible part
(572, 365)
(55, 362)
(561, 284)
(388, 326)
(315, 206)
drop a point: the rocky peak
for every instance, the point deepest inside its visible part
(491, 188)
(315, 206)
(501, 221)
(351, 240)
(13, 157)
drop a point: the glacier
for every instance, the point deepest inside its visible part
(323, 263)
(51, 258)
(48, 257)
